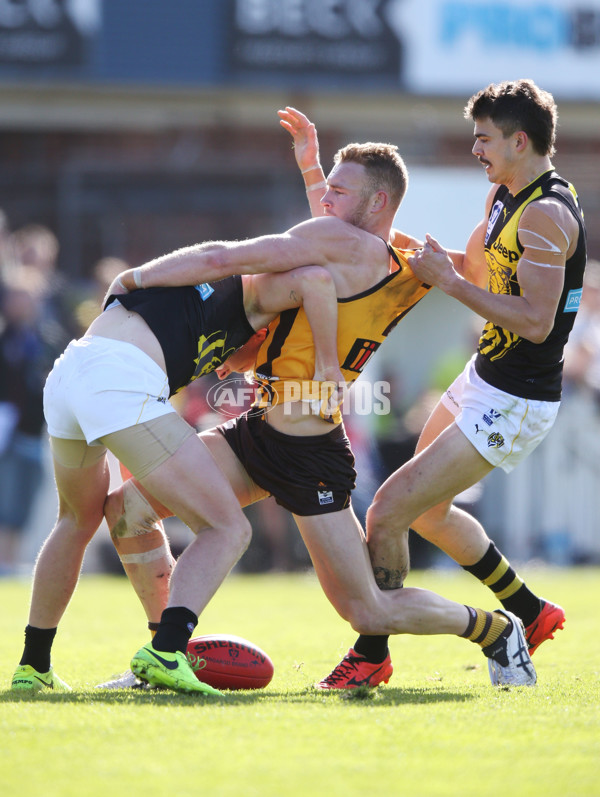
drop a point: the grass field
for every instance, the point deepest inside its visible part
(438, 727)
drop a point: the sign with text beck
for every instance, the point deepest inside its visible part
(459, 46)
(46, 32)
(322, 40)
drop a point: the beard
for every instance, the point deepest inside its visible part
(358, 217)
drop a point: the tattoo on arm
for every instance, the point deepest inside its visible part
(389, 579)
(293, 296)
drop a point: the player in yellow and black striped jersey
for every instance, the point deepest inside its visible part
(312, 473)
(531, 250)
(363, 192)
(286, 357)
(505, 359)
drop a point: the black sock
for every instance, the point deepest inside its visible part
(373, 648)
(38, 644)
(495, 572)
(176, 627)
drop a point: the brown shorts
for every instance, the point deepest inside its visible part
(306, 475)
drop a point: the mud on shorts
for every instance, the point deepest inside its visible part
(306, 475)
(504, 428)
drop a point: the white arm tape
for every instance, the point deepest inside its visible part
(316, 186)
(548, 246)
(541, 265)
(137, 277)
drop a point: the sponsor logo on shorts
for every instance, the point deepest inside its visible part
(495, 440)
(490, 416)
(573, 301)
(325, 497)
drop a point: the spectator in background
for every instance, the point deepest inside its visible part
(26, 356)
(103, 273)
(4, 245)
(35, 248)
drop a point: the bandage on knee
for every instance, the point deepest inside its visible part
(138, 534)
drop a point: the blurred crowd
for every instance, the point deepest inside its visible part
(41, 311)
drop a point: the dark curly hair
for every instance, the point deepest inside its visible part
(518, 105)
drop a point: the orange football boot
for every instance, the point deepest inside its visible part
(354, 671)
(550, 619)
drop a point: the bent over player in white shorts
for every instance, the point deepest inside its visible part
(110, 391)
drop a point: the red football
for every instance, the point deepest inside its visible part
(229, 662)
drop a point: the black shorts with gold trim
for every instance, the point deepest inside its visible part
(306, 475)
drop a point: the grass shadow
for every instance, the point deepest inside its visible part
(157, 697)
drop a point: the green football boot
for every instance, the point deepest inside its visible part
(26, 679)
(172, 670)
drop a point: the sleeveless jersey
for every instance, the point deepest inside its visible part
(504, 359)
(198, 327)
(286, 359)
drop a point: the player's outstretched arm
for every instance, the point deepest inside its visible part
(323, 241)
(306, 150)
(548, 232)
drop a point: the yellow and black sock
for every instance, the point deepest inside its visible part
(485, 628)
(494, 570)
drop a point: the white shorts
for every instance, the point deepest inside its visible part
(98, 386)
(504, 428)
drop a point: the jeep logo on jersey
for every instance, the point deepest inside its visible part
(505, 252)
(360, 354)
